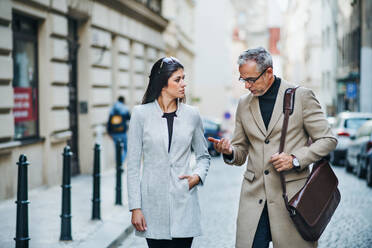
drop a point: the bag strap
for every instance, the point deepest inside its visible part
(288, 110)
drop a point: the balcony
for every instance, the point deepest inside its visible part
(154, 5)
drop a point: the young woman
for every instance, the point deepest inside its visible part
(164, 201)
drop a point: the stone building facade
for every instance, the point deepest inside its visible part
(63, 63)
(179, 38)
(301, 45)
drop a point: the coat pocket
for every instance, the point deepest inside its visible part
(294, 185)
(249, 175)
(185, 184)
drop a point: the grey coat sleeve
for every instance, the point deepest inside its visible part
(135, 135)
(199, 143)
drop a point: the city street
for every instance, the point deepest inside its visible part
(77, 76)
(351, 225)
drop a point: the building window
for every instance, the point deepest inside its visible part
(154, 5)
(25, 78)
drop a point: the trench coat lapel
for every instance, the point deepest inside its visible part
(256, 112)
(278, 108)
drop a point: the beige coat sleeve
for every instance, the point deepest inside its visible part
(316, 126)
(240, 142)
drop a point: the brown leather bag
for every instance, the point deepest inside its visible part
(312, 207)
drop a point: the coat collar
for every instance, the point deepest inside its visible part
(164, 125)
(160, 111)
(277, 111)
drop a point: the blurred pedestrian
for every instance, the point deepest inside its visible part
(262, 215)
(117, 126)
(164, 201)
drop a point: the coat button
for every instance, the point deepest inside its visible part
(260, 201)
(266, 172)
(267, 141)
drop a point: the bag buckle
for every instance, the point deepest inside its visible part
(292, 212)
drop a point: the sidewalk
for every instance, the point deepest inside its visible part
(45, 209)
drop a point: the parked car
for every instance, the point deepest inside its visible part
(212, 129)
(332, 121)
(346, 125)
(369, 164)
(359, 146)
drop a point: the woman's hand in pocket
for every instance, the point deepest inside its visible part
(138, 220)
(193, 180)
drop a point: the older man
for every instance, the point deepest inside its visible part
(262, 215)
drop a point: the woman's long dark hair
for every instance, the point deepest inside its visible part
(161, 71)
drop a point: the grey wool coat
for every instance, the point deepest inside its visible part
(261, 181)
(170, 209)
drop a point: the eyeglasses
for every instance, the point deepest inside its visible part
(167, 60)
(250, 79)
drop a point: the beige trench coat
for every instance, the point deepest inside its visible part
(253, 140)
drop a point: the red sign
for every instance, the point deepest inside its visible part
(273, 41)
(23, 105)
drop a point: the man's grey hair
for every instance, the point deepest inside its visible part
(259, 55)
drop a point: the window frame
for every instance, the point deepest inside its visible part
(30, 37)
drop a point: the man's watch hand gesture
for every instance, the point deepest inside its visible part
(282, 161)
(222, 146)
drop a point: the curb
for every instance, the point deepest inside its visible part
(124, 235)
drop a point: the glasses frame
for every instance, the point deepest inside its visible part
(250, 79)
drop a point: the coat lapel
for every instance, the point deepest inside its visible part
(176, 123)
(256, 112)
(163, 127)
(164, 134)
(278, 107)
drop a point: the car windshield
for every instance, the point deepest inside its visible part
(365, 129)
(355, 123)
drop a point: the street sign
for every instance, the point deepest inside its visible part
(227, 115)
(351, 90)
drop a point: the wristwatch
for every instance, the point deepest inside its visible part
(295, 163)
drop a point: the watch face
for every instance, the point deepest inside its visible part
(295, 162)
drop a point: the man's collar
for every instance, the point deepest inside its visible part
(274, 86)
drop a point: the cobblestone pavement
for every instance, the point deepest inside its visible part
(351, 226)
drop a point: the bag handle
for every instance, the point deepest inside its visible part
(288, 110)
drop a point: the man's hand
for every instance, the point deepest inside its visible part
(282, 161)
(222, 146)
(193, 180)
(138, 220)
